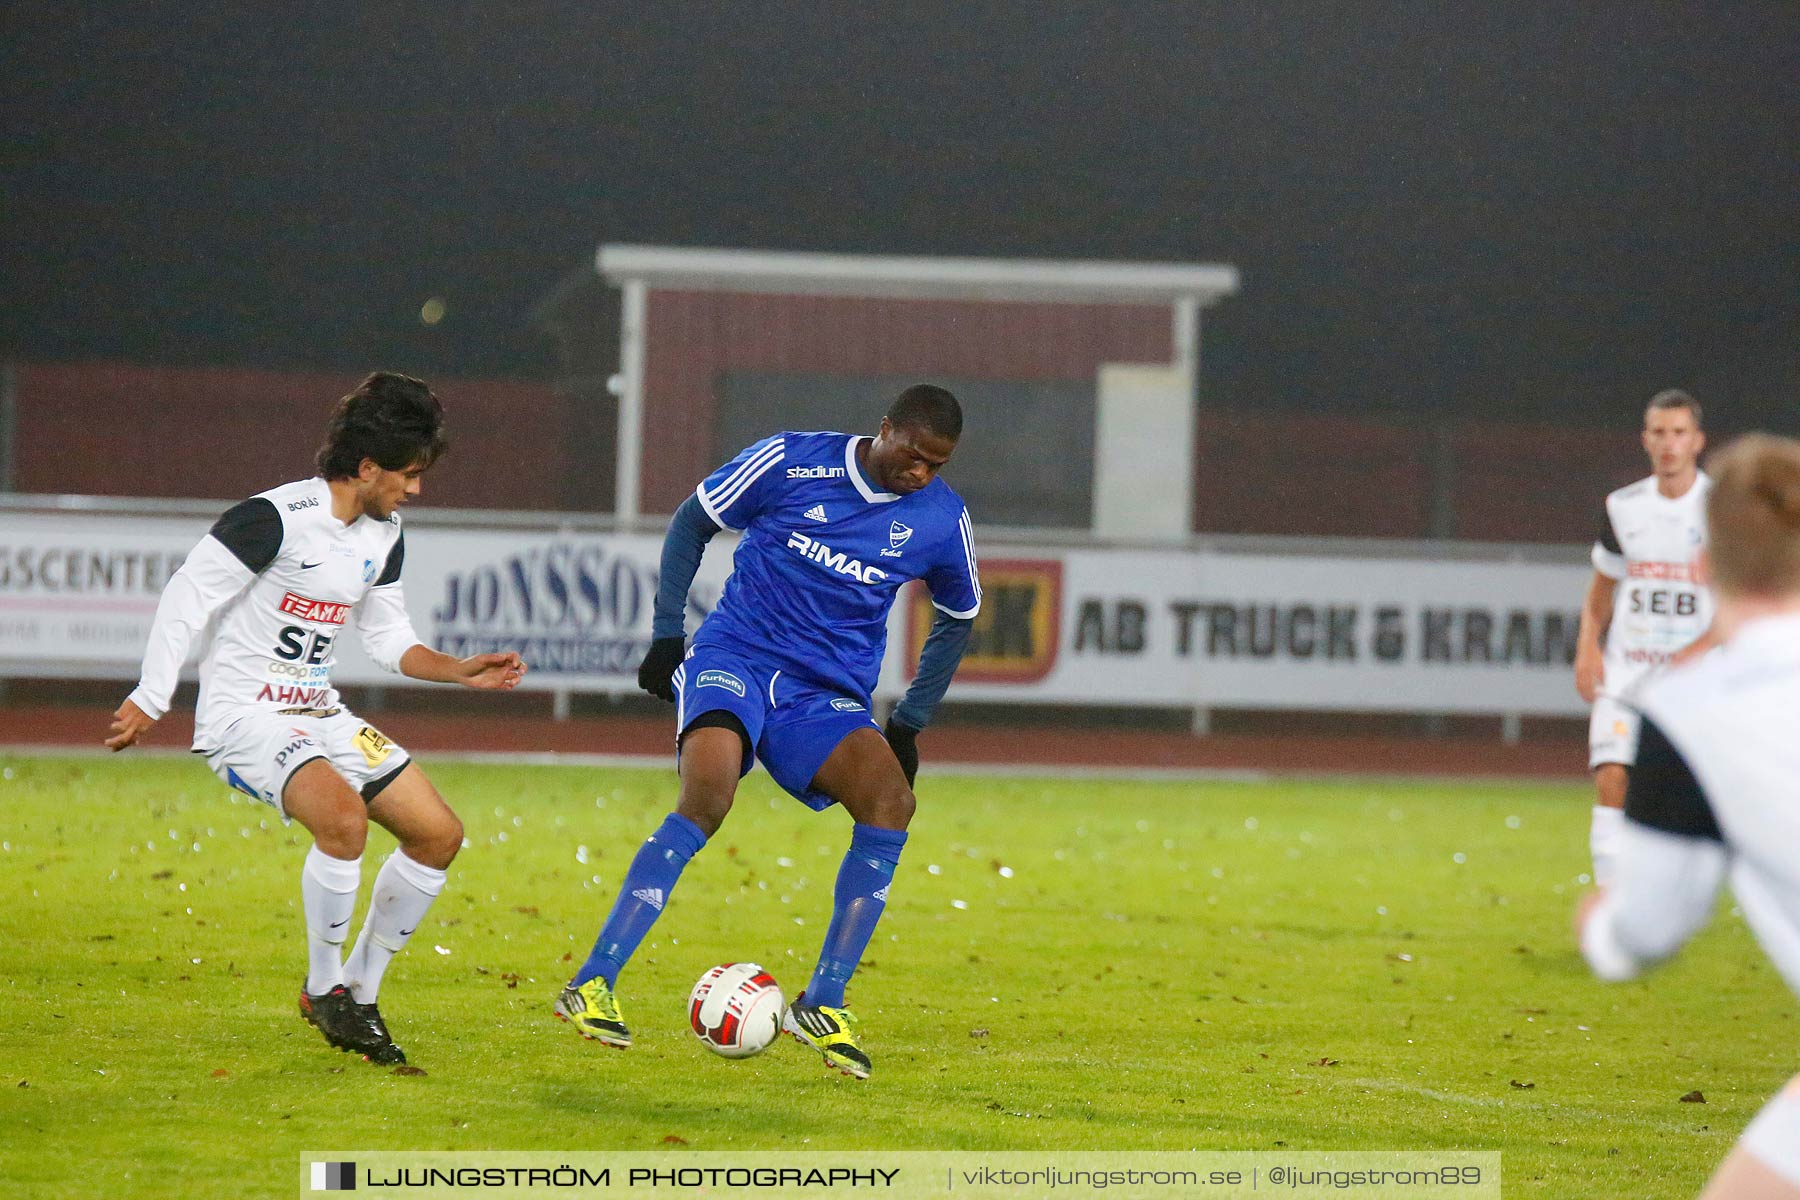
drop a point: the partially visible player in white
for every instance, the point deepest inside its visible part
(1712, 795)
(1644, 602)
(267, 593)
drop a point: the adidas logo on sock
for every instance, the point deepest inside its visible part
(881, 892)
(816, 513)
(651, 896)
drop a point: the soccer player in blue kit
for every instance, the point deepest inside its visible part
(783, 668)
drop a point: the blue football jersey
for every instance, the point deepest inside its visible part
(823, 555)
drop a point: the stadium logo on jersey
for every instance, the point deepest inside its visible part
(720, 679)
(837, 560)
(816, 513)
(816, 472)
(324, 611)
(897, 535)
(846, 705)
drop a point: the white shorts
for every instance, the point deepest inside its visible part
(1774, 1136)
(1612, 733)
(260, 751)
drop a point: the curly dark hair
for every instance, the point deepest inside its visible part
(391, 418)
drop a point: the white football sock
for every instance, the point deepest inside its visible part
(404, 890)
(328, 897)
(1604, 833)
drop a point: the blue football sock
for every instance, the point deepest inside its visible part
(862, 888)
(641, 897)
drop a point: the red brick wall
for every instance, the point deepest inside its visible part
(694, 337)
(1320, 476)
(1291, 473)
(1537, 483)
(118, 430)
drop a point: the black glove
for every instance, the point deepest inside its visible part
(656, 672)
(904, 740)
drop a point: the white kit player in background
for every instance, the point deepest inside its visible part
(1712, 795)
(267, 593)
(1646, 601)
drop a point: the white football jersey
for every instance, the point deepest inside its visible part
(267, 593)
(1712, 799)
(1651, 546)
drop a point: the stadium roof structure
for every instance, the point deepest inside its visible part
(1073, 281)
(1158, 304)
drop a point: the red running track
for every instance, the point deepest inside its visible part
(1050, 746)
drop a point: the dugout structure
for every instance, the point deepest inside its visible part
(1080, 379)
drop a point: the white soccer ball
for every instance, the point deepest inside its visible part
(736, 1009)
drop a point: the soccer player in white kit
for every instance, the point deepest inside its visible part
(1712, 795)
(1645, 600)
(267, 593)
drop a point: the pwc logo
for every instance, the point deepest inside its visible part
(1017, 631)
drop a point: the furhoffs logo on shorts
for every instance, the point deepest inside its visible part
(720, 679)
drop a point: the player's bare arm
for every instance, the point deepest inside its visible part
(1596, 616)
(485, 672)
(129, 724)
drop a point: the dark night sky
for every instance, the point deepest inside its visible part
(1482, 206)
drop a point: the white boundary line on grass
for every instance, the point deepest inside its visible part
(555, 758)
(1517, 1102)
(666, 762)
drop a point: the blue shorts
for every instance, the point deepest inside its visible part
(794, 725)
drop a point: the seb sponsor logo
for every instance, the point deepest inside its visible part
(817, 551)
(325, 612)
(1015, 635)
(1657, 590)
(577, 607)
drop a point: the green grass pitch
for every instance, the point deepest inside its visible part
(1064, 964)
